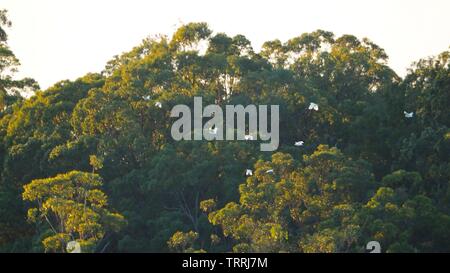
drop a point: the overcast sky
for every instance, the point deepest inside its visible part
(65, 39)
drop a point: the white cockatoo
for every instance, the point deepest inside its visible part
(408, 115)
(73, 247)
(248, 172)
(248, 137)
(299, 143)
(213, 131)
(313, 106)
(158, 104)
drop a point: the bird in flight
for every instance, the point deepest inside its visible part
(213, 131)
(408, 115)
(299, 143)
(313, 106)
(147, 97)
(248, 137)
(158, 104)
(248, 172)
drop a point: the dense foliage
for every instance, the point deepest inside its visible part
(365, 171)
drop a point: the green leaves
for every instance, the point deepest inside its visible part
(10, 88)
(364, 172)
(189, 35)
(183, 242)
(73, 207)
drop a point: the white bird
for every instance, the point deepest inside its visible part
(213, 131)
(299, 143)
(313, 106)
(269, 171)
(158, 104)
(248, 137)
(146, 97)
(248, 172)
(73, 247)
(408, 115)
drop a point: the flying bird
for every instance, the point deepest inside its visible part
(248, 137)
(313, 106)
(213, 131)
(299, 143)
(248, 172)
(146, 97)
(408, 115)
(158, 104)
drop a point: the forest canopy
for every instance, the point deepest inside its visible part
(93, 160)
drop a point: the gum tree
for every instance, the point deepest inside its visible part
(71, 207)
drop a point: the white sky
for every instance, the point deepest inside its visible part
(65, 39)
